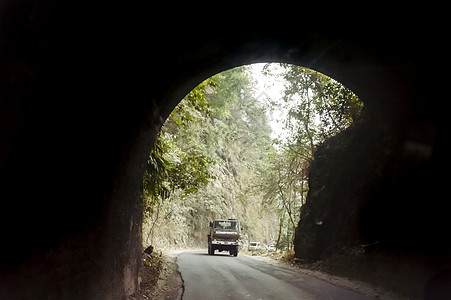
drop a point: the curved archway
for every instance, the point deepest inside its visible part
(58, 81)
(387, 89)
(228, 114)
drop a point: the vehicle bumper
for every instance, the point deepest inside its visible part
(224, 246)
(224, 243)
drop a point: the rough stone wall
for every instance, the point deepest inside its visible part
(376, 184)
(63, 141)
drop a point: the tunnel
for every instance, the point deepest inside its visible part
(84, 92)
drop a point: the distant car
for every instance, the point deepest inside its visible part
(271, 248)
(254, 246)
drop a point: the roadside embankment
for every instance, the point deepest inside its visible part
(159, 277)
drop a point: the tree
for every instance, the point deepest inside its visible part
(175, 167)
(318, 107)
(215, 158)
(212, 147)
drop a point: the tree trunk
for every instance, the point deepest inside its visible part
(280, 233)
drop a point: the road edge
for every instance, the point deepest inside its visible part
(181, 278)
(173, 285)
(354, 285)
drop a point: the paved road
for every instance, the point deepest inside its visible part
(226, 277)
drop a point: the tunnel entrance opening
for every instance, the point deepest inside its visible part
(240, 146)
(57, 81)
(348, 207)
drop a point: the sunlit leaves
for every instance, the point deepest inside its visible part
(215, 157)
(174, 165)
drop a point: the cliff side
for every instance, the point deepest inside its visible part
(376, 185)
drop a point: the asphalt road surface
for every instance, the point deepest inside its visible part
(222, 276)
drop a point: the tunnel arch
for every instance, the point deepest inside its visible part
(379, 84)
(374, 81)
(177, 128)
(59, 74)
(387, 89)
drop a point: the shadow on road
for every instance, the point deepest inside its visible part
(224, 254)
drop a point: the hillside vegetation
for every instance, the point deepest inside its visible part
(215, 156)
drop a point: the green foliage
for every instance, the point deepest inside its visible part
(212, 148)
(191, 173)
(214, 157)
(318, 107)
(194, 107)
(174, 164)
(154, 177)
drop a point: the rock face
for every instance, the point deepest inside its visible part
(377, 183)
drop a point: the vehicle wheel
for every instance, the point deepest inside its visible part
(235, 253)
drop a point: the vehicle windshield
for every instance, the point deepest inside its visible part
(227, 225)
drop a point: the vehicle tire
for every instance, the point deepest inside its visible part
(235, 253)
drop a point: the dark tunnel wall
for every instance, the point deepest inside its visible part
(84, 91)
